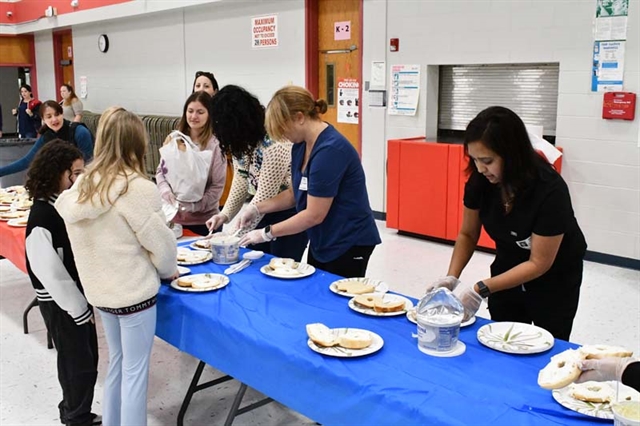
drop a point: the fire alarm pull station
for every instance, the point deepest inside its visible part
(619, 105)
(394, 45)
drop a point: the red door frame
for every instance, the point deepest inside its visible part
(32, 66)
(57, 57)
(311, 54)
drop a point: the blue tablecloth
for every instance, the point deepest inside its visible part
(254, 330)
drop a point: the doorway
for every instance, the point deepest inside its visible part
(334, 62)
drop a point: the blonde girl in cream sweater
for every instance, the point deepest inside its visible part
(122, 248)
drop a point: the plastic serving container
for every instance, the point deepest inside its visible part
(626, 413)
(225, 249)
(439, 315)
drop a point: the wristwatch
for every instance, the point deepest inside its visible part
(483, 290)
(267, 232)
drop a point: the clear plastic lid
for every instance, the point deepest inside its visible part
(440, 306)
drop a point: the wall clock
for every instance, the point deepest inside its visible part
(103, 43)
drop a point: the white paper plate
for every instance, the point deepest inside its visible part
(339, 352)
(207, 256)
(16, 223)
(387, 298)
(303, 269)
(223, 282)
(183, 271)
(380, 286)
(194, 246)
(411, 316)
(515, 337)
(594, 409)
(13, 215)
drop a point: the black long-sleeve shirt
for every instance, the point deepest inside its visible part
(631, 375)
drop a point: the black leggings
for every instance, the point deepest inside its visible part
(352, 264)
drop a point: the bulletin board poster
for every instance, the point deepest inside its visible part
(404, 89)
(264, 32)
(348, 102)
(608, 66)
(611, 19)
(83, 87)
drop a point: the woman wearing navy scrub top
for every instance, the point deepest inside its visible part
(328, 188)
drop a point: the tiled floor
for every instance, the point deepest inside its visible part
(29, 392)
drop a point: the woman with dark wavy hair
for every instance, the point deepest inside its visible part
(262, 167)
(52, 270)
(525, 206)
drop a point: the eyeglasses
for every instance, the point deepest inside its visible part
(206, 74)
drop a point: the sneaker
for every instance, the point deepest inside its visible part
(96, 419)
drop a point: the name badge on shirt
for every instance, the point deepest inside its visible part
(303, 184)
(524, 244)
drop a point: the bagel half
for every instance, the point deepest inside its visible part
(562, 370)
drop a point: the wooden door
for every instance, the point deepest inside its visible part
(339, 61)
(67, 55)
(63, 57)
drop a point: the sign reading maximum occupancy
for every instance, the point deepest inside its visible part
(264, 31)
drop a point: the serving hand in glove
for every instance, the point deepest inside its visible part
(470, 300)
(602, 370)
(256, 236)
(216, 221)
(248, 215)
(450, 282)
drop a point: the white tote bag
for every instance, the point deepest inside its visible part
(186, 171)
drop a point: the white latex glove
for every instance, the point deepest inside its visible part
(470, 300)
(602, 370)
(247, 215)
(450, 282)
(256, 236)
(216, 221)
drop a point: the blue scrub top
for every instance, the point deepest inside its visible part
(334, 170)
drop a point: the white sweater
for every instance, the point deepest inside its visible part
(121, 249)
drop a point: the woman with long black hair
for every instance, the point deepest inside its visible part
(525, 206)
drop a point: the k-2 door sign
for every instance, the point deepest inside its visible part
(342, 30)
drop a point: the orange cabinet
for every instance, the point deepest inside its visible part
(425, 188)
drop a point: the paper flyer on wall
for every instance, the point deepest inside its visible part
(83, 87)
(378, 75)
(608, 66)
(405, 89)
(611, 20)
(348, 102)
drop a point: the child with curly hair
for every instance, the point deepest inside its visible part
(52, 270)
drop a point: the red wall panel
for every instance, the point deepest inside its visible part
(28, 10)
